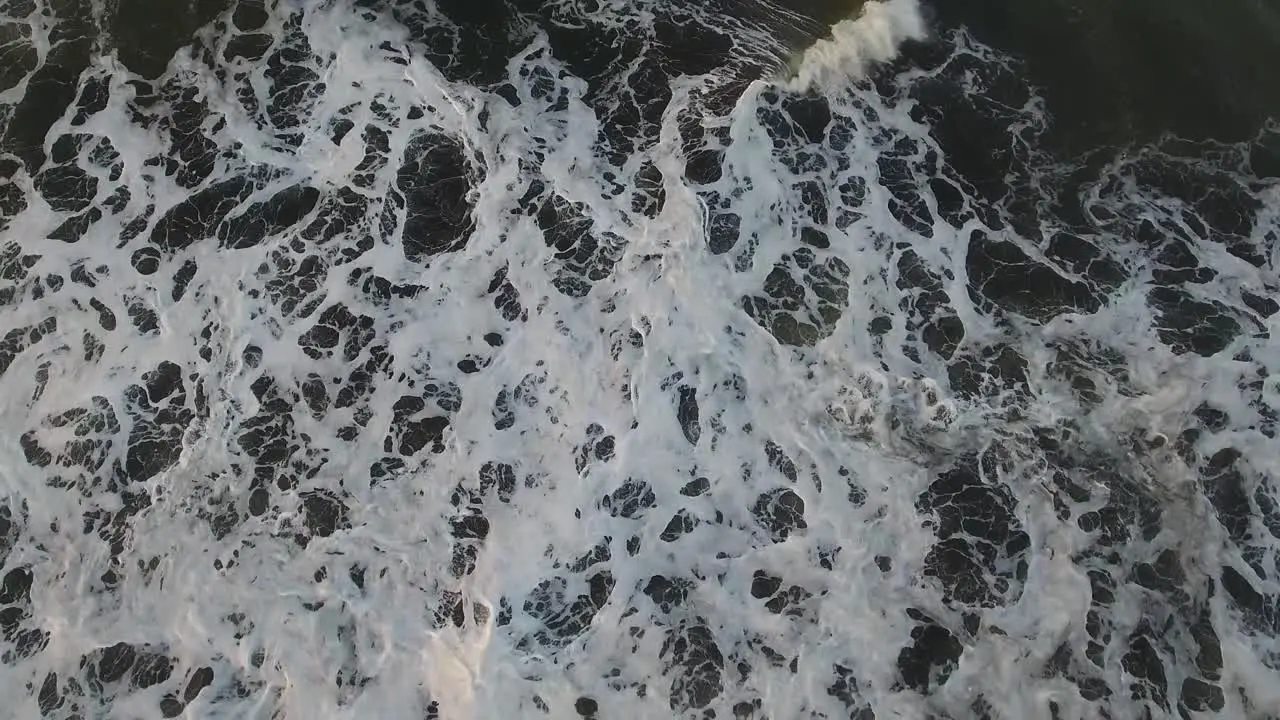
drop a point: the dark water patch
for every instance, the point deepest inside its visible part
(414, 428)
(802, 298)
(182, 279)
(474, 42)
(160, 416)
(583, 255)
(295, 84)
(780, 512)
(250, 14)
(75, 227)
(66, 187)
(1002, 273)
(251, 46)
(931, 657)
(632, 500)
(147, 33)
(436, 180)
(981, 554)
(930, 319)
(668, 593)
(272, 216)
(975, 129)
(989, 371)
(1116, 74)
(565, 608)
(1205, 327)
(50, 89)
(20, 55)
(696, 665)
(195, 218)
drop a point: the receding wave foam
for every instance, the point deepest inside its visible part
(513, 359)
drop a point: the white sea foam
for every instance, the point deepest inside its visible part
(858, 44)
(358, 622)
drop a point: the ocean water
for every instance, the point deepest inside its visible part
(634, 359)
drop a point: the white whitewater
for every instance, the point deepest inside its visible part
(564, 410)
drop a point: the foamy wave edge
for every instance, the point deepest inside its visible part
(857, 44)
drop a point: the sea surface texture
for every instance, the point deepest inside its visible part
(629, 359)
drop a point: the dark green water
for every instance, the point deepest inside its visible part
(1128, 71)
(146, 33)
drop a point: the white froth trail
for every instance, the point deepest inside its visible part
(856, 44)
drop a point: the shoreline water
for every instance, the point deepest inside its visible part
(1120, 74)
